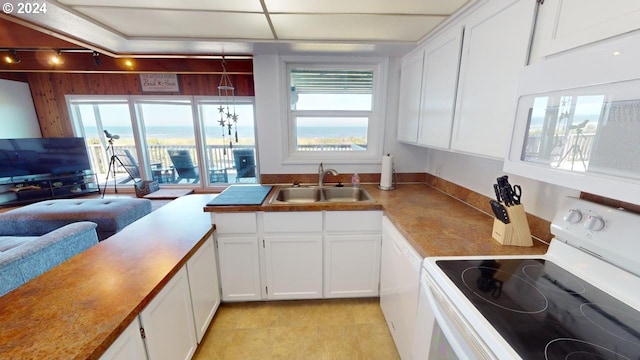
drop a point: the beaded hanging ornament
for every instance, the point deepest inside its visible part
(228, 117)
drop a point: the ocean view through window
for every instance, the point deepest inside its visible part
(334, 111)
(170, 139)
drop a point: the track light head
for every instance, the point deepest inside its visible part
(56, 59)
(12, 58)
(96, 58)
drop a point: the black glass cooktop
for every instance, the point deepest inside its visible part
(545, 312)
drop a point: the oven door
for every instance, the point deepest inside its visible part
(441, 330)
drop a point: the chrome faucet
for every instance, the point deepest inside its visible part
(322, 173)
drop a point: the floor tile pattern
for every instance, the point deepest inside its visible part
(341, 329)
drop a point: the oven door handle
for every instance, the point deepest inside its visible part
(456, 335)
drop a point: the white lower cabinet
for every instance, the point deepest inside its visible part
(239, 268)
(174, 322)
(293, 266)
(238, 255)
(298, 255)
(352, 253)
(128, 346)
(168, 321)
(204, 287)
(352, 265)
(293, 255)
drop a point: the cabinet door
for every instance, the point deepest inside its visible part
(128, 346)
(294, 266)
(496, 43)
(239, 268)
(168, 321)
(566, 24)
(203, 283)
(409, 101)
(352, 265)
(439, 83)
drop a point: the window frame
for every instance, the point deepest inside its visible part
(375, 128)
(139, 127)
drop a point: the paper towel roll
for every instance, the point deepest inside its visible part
(386, 174)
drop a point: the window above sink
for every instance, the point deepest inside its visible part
(335, 109)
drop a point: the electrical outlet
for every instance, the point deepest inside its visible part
(439, 169)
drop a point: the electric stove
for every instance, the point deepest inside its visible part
(581, 300)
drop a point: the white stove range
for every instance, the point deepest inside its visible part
(581, 300)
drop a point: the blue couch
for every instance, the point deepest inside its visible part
(111, 215)
(24, 256)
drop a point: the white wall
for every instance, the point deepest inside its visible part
(475, 173)
(271, 122)
(17, 114)
(479, 174)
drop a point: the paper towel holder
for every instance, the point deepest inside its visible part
(393, 183)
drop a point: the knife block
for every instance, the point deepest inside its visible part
(516, 232)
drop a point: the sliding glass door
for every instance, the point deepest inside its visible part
(168, 132)
(230, 144)
(176, 140)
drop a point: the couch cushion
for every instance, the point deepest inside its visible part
(9, 242)
(111, 215)
(24, 262)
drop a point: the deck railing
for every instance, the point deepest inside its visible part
(584, 142)
(218, 157)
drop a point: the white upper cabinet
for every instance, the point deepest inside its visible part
(409, 102)
(496, 44)
(439, 80)
(567, 24)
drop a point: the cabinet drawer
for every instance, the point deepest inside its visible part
(350, 221)
(234, 223)
(293, 222)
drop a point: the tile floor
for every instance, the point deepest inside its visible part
(344, 329)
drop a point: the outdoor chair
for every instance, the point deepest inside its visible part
(184, 167)
(245, 163)
(129, 163)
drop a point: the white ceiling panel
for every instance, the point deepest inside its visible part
(423, 7)
(181, 24)
(353, 27)
(208, 26)
(218, 5)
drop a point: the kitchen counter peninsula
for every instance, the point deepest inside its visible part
(76, 310)
(435, 223)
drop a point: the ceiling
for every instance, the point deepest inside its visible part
(241, 27)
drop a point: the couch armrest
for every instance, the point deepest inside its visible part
(23, 263)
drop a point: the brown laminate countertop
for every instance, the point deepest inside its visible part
(435, 223)
(76, 310)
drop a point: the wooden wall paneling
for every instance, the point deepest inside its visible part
(45, 105)
(49, 89)
(14, 76)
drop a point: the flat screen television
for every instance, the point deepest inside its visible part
(35, 156)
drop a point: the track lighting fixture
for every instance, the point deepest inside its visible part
(57, 59)
(96, 58)
(12, 58)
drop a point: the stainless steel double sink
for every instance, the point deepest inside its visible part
(317, 194)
